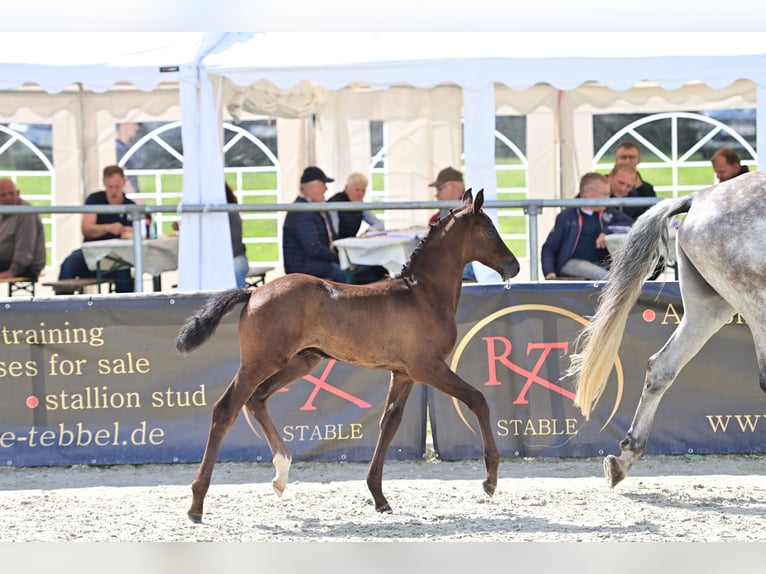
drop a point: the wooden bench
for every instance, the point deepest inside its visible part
(20, 284)
(256, 275)
(77, 285)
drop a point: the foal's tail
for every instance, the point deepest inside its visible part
(598, 343)
(198, 328)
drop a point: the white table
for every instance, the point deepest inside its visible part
(391, 251)
(157, 255)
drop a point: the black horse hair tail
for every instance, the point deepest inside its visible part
(198, 328)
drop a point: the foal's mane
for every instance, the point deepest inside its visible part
(444, 224)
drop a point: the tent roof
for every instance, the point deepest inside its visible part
(519, 60)
(56, 60)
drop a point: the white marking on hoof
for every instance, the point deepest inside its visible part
(282, 464)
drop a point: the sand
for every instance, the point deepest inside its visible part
(689, 499)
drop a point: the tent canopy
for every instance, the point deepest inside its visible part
(473, 60)
(459, 70)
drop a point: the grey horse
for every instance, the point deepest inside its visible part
(722, 271)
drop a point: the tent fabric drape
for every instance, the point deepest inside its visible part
(424, 90)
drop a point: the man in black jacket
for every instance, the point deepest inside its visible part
(307, 235)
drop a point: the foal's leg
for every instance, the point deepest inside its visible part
(298, 366)
(225, 411)
(705, 312)
(439, 376)
(398, 391)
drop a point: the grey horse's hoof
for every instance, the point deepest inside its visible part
(613, 471)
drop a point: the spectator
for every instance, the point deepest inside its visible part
(576, 246)
(726, 164)
(22, 237)
(239, 252)
(628, 152)
(99, 226)
(622, 180)
(450, 186)
(348, 223)
(307, 235)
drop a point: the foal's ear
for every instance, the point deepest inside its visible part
(479, 201)
(467, 198)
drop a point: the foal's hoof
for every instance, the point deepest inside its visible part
(613, 471)
(489, 488)
(279, 489)
(195, 518)
(385, 509)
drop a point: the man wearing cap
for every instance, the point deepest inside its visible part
(307, 235)
(450, 186)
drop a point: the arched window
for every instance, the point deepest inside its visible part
(155, 160)
(25, 157)
(676, 146)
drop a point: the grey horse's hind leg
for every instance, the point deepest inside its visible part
(705, 312)
(758, 329)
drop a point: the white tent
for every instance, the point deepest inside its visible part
(83, 84)
(439, 94)
(268, 75)
(430, 89)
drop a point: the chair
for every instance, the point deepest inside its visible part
(256, 275)
(20, 284)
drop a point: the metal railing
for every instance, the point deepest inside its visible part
(137, 213)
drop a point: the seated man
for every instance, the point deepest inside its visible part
(629, 152)
(450, 186)
(97, 226)
(576, 246)
(307, 235)
(22, 238)
(348, 223)
(726, 164)
(622, 183)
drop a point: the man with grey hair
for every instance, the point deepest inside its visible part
(22, 237)
(348, 224)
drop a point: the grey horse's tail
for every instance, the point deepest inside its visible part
(198, 328)
(597, 344)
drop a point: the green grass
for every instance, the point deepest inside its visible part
(35, 186)
(511, 179)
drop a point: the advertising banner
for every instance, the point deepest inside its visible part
(97, 380)
(514, 345)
